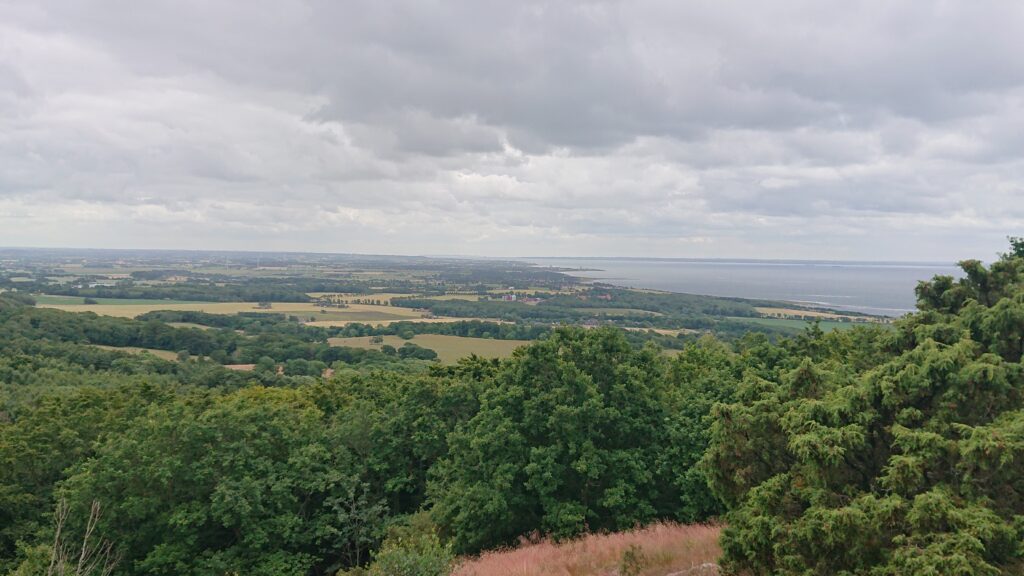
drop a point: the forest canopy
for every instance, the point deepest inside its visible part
(876, 450)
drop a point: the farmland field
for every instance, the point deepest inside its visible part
(47, 300)
(826, 325)
(354, 313)
(189, 325)
(469, 297)
(346, 297)
(449, 348)
(164, 354)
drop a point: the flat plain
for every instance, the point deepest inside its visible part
(368, 313)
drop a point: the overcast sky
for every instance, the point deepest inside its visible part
(788, 129)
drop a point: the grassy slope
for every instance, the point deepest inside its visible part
(662, 549)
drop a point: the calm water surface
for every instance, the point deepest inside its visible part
(884, 288)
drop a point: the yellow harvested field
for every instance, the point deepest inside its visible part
(664, 331)
(667, 549)
(165, 354)
(449, 348)
(354, 313)
(241, 367)
(189, 325)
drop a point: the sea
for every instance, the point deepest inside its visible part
(878, 288)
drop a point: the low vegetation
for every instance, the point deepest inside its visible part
(901, 456)
(657, 550)
(877, 450)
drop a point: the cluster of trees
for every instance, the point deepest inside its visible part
(266, 341)
(246, 339)
(258, 322)
(665, 303)
(483, 276)
(608, 305)
(570, 434)
(465, 328)
(900, 455)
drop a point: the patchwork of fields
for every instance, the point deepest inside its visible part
(309, 312)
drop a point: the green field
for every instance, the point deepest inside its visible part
(189, 325)
(449, 348)
(826, 325)
(468, 297)
(164, 354)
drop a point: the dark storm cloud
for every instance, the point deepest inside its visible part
(696, 128)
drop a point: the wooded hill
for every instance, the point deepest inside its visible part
(869, 451)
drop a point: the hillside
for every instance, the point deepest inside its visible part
(658, 550)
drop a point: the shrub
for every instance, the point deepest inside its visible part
(412, 550)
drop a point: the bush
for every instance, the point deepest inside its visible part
(411, 550)
(633, 561)
(410, 350)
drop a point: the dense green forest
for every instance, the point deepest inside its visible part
(898, 455)
(875, 450)
(630, 307)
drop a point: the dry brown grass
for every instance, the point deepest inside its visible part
(165, 354)
(664, 550)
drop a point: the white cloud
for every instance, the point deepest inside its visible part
(792, 129)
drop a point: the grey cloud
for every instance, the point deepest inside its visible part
(690, 129)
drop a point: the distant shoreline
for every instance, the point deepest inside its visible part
(883, 289)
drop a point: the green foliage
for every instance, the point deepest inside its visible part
(203, 470)
(608, 304)
(11, 300)
(410, 350)
(867, 451)
(899, 457)
(568, 439)
(633, 561)
(413, 549)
